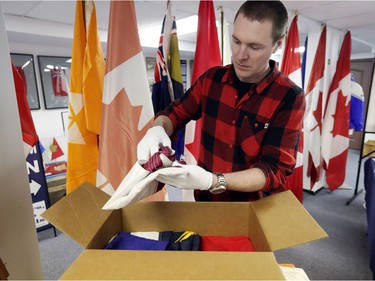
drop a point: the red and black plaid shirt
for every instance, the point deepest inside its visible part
(260, 130)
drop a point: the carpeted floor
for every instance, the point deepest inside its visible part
(343, 256)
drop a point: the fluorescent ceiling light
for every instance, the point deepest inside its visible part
(26, 64)
(149, 37)
(187, 25)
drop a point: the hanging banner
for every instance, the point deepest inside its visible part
(38, 187)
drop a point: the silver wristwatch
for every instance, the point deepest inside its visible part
(221, 185)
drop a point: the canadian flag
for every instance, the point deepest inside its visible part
(291, 67)
(127, 107)
(314, 113)
(335, 134)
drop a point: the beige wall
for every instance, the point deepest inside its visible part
(18, 240)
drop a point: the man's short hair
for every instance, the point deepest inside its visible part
(273, 11)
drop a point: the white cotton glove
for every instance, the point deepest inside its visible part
(137, 185)
(185, 176)
(154, 138)
(136, 175)
(141, 190)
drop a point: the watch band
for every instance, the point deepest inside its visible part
(221, 185)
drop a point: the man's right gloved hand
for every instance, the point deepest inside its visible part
(154, 138)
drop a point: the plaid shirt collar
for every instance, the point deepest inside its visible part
(228, 77)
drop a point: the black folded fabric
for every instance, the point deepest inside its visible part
(181, 240)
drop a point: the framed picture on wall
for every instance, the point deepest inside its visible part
(55, 77)
(26, 68)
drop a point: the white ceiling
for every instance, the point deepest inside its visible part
(51, 22)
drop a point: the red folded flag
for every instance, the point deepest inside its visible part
(227, 243)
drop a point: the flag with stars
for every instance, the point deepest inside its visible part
(86, 83)
(335, 133)
(167, 76)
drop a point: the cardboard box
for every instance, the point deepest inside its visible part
(272, 223)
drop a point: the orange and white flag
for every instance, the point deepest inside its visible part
(86, 84)
(127, 106)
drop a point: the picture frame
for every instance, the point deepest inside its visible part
(65, 121)
(26, 68)
(55, 77)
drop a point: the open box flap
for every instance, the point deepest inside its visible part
(173, 265)
(79, 215)
(285, 222)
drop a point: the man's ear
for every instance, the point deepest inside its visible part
(278, 44)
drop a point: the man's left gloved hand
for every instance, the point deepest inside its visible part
(185, 176)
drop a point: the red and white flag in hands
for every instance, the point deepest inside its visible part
(207, 55)
(335, 134)
(314, 111)
(291, 67)
(127, 106)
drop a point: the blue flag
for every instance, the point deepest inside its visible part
(167, 77)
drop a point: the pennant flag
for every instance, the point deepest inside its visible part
(167, 77)
(291, 67)
(335, 133)
(29, 136)
(314, 113)
(207, 55)
(55, 149)
(86, 80)
(127, 107)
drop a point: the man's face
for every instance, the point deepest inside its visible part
(252, 48)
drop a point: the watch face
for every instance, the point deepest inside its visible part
(218, 189)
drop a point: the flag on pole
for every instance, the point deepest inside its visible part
(29, 136)
(335, 133)
(314, 111)
(224, 40)
(207, 55)
(93, 71)
(167, 76)
(291, 67)
(86, 84)
(127, 107)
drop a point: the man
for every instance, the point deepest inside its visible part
(251, 116)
